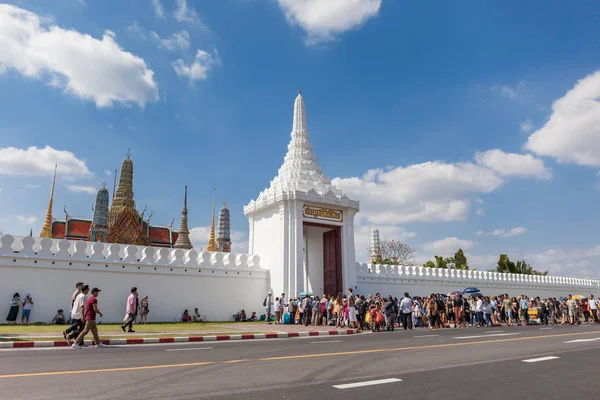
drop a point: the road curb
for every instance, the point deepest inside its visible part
(179, 339)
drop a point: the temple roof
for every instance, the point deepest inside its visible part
(300, 176)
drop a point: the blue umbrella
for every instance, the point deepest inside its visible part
(471, 290)
(302, 294)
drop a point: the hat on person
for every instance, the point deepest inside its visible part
(96, 290)
(27, 294)
(16, 295)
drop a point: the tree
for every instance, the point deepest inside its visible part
(520, 267)
(396, 253)
(460, 260)
(429, 264)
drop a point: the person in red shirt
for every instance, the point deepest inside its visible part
(91, 309)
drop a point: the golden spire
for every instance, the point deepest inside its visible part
(212, 245)
(47, 228)
(183, 238)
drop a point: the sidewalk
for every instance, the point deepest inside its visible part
(269, 332)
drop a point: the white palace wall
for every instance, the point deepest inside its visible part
(219, 284)
(421, 281)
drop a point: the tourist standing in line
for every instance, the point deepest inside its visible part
(593, 308)
(432, 312)
(26, 313)
(352, 320)
(281, 307)
(91, 309)
(144, 304)
(130, 310)
(77, 312)
(269, 305)
(13, 311)
(277, 309)
(406, 310)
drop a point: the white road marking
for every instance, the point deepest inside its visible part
(582, 340)
(494, 331)
(193, 348)
(327, 341)
(426, 336)
(486, 336)
(542, 329)
(534, 360)
(367, 383)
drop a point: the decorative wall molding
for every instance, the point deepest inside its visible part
(377, 273)
(30, 251)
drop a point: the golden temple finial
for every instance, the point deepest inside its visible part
(129, 153)
(47, 228)
(212, 245)
(299, 91)
(183, 237)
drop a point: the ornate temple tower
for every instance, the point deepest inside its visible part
(124, 222)
(47, 228)
(183, 239)
(123, 197)
(224, 230)
(212, 245)
(99, 227)
(375, 245)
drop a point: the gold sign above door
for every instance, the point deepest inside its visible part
(326, 214)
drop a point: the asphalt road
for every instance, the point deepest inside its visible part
(453, 363)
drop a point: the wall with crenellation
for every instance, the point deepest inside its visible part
(219, 284)
(421, 281)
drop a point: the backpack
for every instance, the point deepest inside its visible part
(323, 308)
(265, 302)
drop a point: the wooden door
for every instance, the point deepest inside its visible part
(331, 262)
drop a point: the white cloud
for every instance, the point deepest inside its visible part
(448, 245)
(107, 172)
(323, 20)
(82, 189)
(199, 237)
(83, 66)
(526, 126)
(32, 186)
(362, 238)
(504, 232)
(515, 92)
(479, 200)
(158, 8)
(511, 164)
(572, 133)
(135, 27)
(479, 212)
(184, 13)
(199, 68)
(40, 162)
(177, 41)
(27, 220)
(431, 191)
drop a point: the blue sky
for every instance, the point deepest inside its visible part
(456, 124)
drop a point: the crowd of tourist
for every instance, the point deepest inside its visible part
(456, 310)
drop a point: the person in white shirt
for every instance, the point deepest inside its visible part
(277, 308)
(77, 313)
(479, 311)
(406, 310)
(594, 308)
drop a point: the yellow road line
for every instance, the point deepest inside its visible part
(336, 354)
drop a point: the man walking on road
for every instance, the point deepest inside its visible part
(131, 310)
(406, 310)
(91, 309)
(77, 312)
